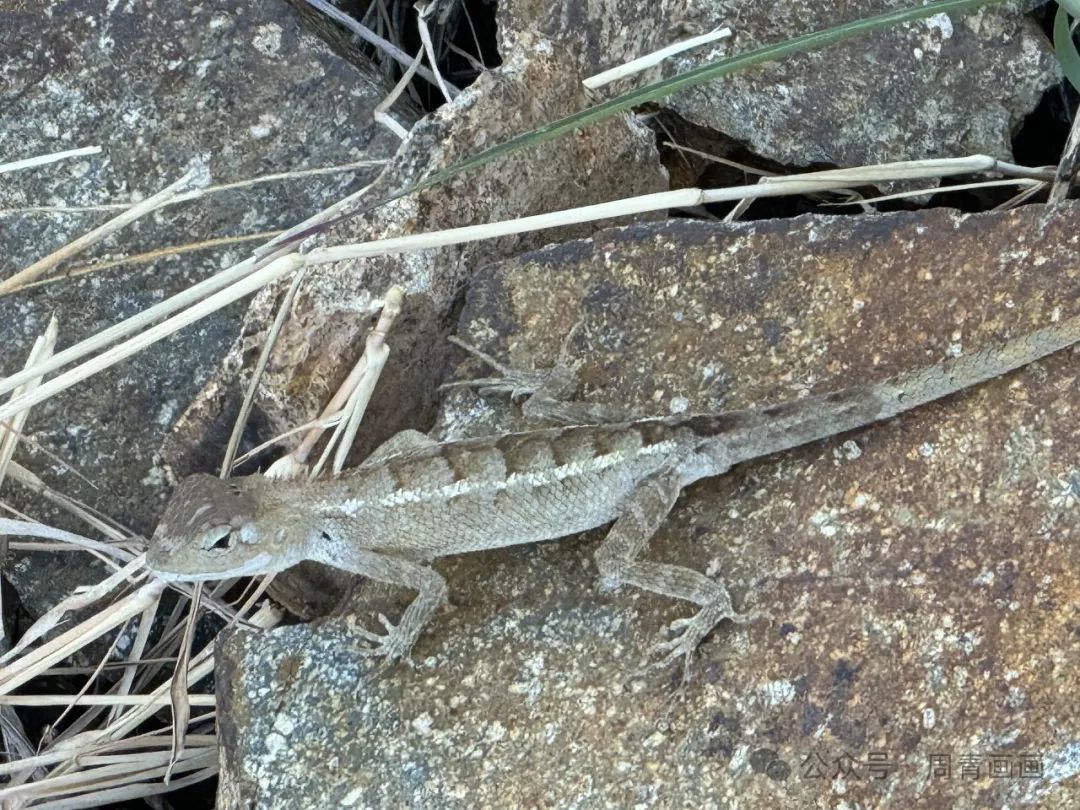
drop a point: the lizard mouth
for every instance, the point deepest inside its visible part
(256, 565)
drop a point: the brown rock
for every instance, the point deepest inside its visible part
(922, 574)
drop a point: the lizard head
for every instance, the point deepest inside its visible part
(209, 531)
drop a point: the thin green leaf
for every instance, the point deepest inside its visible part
(1071, 6)
(1064, 47)
(666, 87)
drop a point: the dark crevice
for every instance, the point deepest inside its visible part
(469, 27)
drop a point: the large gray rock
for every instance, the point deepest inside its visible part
(234, 88)
(946, 86)
(921, 574)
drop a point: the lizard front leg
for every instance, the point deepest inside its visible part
(429, 585)
(617, 560)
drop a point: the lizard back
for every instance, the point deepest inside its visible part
(489, 492)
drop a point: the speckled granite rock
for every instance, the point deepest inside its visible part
(941, 87)
(234, 87)
(923, 575)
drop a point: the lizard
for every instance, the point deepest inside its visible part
(414, 499)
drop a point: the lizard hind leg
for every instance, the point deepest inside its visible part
(617, 560)
(547, 391)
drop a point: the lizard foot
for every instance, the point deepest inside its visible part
(545, 391)
(394, 646)
(690, 631)
(557, 382)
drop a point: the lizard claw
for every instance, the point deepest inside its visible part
(668, 651)
(556, 383)
(690, 631)
(389, 626)
(393, 646)
(757, 614)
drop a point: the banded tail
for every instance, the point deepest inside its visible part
(757, 432)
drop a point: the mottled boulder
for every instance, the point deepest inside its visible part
(921, 575)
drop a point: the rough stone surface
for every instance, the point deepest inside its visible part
(940, 87)
(921, 574)
(324, 334)
(234, 88)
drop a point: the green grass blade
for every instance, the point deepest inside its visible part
(666, 87)
(1065, 48)
(691, 78)
(1071, 6)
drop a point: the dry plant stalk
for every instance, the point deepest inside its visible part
(645, 62)
(253, 274)
(44, 265)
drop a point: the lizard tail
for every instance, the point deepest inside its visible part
(762, 431)
(914, 388)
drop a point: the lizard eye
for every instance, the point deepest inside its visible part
(219, 540)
